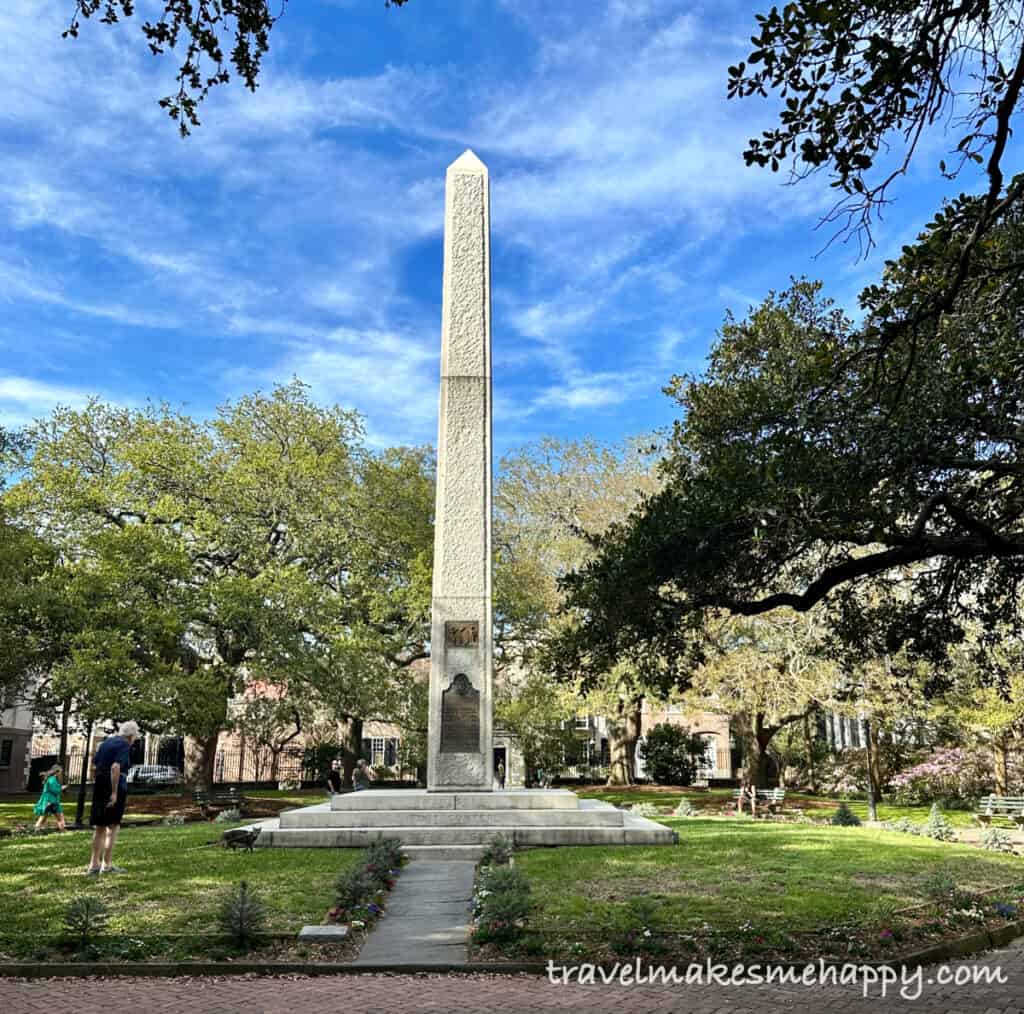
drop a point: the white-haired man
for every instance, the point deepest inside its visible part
(109, 795)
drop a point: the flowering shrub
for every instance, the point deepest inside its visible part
(949, 774)
(360, 890)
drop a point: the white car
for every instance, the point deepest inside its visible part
(153, 774)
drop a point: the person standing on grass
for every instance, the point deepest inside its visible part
(362, 775)
(109, 795)
(49, 799)
(334, 778)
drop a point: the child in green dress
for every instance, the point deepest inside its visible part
(49, 799)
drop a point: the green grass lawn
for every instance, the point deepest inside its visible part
(715, 800)
(19, 811)
(172, 886)
(726, 872)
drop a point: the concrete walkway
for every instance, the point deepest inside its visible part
(427, 917)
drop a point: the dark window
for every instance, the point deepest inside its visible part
(6, 752)
(391, 752)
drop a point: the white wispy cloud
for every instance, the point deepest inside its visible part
(284, 228)
(23, 399)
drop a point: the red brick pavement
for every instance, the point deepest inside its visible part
(514, 994)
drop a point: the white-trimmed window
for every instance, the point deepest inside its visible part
(377, 750)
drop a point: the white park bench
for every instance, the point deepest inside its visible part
(771, 799)
(1009, 807)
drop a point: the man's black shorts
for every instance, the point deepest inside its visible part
(101, 814)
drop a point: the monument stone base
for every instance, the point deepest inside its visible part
(452, 825)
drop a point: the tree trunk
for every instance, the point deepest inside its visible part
(874, 761)
(872, 773)
(80, 808)
(757, 762)
(812, 776)
(351, 743)
(623, 732)
(634, 723)
(200, 756)
(65, 719)
(1001, 764)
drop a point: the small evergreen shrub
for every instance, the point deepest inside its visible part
(904, 825)
(85, 918)
(228, 816)
(501, 903)
(995, 839)
(685, 809)
(937, 826)
(242, 915)
(174, 819)
(844, 817)
(499, 852)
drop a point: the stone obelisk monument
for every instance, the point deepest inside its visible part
(459, 726)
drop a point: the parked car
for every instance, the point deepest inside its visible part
(153, 775)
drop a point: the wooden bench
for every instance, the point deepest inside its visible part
(218, 799)
(1009, 807)
(771, 799)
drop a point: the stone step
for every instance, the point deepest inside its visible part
(324, 817)
(636, 832)
(445, 853)
(420, 799)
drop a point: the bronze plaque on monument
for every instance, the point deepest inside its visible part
(460, 717)
(461, 634)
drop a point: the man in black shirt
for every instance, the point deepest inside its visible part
(334, 778)
(109, 795)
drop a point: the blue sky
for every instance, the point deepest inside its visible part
(298, 231)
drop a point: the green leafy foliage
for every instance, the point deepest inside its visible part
(242, 916)
(196, 33)
(265, 545)
(808, 466)
(671, 754)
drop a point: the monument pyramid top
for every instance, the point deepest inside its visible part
(467, 162)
